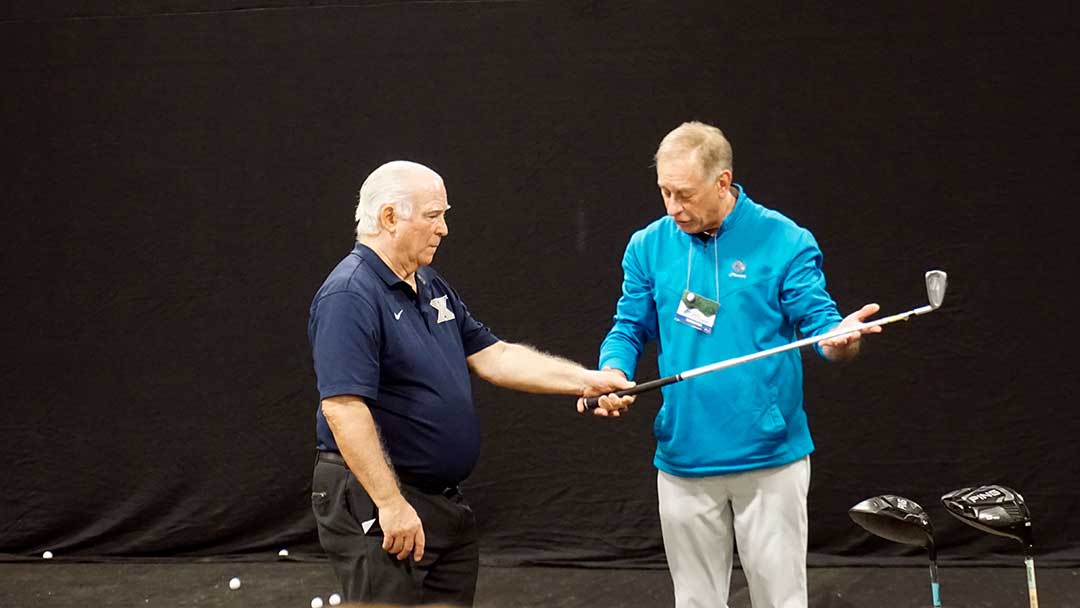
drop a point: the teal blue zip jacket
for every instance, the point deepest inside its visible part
(771, 292)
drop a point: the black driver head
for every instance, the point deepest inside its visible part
(991, 508)
(895, 518)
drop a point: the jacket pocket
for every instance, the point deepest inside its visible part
(771, 422)
(662, 425)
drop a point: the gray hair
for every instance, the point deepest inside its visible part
(706, 142)
(393, 184)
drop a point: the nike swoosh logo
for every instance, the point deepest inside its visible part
(397, 315)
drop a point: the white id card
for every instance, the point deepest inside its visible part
(697, 311)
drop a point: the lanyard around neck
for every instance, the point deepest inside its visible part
(716, 263)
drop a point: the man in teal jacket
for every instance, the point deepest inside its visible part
(721, 276)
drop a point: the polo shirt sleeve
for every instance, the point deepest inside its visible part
(346, 338)
(475, 336)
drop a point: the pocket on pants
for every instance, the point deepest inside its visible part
(320, 501)
(360, 506)
(322, 488)
(329, 502)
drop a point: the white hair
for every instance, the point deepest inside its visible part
(393, 183)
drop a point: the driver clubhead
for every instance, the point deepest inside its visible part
(894, 518)
(936, 283)
(995, 509)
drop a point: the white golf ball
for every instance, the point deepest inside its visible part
(46, 555)
(234, 583)
(283, 553)
(316, 602)
(335, 599)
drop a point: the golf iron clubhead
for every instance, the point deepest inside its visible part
(936, 283)
(997, 510)
(900, 520)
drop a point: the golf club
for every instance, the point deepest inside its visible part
(1000, 511)
(900, 520)
(936, 282)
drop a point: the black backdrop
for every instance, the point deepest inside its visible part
(178, 178)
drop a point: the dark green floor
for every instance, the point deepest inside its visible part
(295, 583)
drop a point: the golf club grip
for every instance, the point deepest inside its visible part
(644, 387)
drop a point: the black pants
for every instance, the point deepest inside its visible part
(446, 574)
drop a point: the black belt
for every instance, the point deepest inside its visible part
(404, 478)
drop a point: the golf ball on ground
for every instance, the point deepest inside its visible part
(335, 599)
(316, 602)
(46, 555)
(283, 553)
(234, 583)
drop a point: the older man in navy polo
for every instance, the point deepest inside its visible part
(393, 347)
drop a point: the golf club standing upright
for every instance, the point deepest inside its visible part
(1000, 511)
(900, 520)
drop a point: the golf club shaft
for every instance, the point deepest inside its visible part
(935, 589)
(1033, 595)
(592, 402)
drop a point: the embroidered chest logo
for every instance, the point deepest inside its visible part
(738, 270)
(445, 314)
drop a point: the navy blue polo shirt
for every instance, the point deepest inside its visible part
(404, 353)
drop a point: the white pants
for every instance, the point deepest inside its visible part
(763, 511)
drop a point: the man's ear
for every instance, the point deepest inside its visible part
(388, 218)
(723, 181)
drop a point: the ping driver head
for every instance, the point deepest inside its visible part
(895, 518)
(936, 282)
(991, 508)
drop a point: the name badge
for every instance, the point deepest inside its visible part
(697, 311)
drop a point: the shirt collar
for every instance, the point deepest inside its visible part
(378, 265)
(737, 211)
